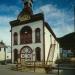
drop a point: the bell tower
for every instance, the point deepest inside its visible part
(27, 12)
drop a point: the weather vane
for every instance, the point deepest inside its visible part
(27, 3)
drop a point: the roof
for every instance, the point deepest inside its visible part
(33, 19)
(50, 29)
(25, 12)
(2, 45)
(67, 42)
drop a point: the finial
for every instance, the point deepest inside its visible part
(27, 3)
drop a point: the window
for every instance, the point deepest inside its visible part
(26, 35)
(15, 38)
(38, 54)
(37, 35)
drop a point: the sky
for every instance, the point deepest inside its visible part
(58, 13)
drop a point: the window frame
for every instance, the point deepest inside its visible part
(26, 35)
(15, 38)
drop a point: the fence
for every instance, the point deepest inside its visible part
(57, 69)
(34, 65)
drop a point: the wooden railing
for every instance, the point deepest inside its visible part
(34, 64)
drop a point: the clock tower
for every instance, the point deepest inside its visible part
(27, 12)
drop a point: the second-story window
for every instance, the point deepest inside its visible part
(26, 35)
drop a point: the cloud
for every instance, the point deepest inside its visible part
(60, 20)
(5, 34)
(9, 10)
(61, 23)
(7, 14)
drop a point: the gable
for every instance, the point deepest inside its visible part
(50, 30)
(34, 18)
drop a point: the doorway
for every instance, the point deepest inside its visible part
(15, 55)
(26, 54)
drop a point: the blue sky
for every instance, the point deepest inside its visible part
(58, 13)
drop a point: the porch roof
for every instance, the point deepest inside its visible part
(2, 45)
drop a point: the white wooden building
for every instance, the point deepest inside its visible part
(32, 39)
(5, 52)
(2, 51)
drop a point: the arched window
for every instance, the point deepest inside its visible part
(37, 35)
(26, 35)
(38, 54)
(15, 55)
(15, 38)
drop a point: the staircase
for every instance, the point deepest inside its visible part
(51, 53)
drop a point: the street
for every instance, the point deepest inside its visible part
(5, 70)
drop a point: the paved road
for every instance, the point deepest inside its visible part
(4, 70)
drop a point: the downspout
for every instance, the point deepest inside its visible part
(43, 40)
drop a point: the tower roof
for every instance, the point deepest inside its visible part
(26, 13)
(2, 45)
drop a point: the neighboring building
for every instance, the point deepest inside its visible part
(8, 53)
(2, 51)
(67, 45)
(5, 55)
(32, 38)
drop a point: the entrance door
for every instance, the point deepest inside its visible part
(26, 54)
